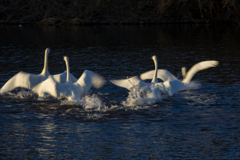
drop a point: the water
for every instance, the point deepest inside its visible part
(192, 124)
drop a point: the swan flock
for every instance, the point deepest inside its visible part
(65, 85)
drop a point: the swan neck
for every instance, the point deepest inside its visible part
(183, 72)
(68, 71)
(45, 67)
(188, 78)
(154, 80)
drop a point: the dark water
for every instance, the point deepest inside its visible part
(193, 124)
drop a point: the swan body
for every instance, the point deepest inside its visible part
(174, 85)
(69, 90)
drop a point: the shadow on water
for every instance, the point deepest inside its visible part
(202, 123)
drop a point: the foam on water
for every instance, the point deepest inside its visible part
(88, 102)
(150, 95)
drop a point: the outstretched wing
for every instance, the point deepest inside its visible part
(198, 67)
(48, 86)
(23, 80)
(61, 78)
(173, 87)
(128, 83)
(89, 79)
(162, 74)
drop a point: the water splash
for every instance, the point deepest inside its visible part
(88, 102)
(143, 96)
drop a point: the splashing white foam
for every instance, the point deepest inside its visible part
(92, 102)
(89, 102)
(143, 96)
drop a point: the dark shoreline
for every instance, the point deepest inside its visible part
(76, 22)
(91, 12)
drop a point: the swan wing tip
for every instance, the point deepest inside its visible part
(216, 63)
(92, 78)
(211, 63)
(143, 77)
(99, 82)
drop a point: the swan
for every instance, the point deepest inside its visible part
(29, 80)
(135, 82)
(68, 89)
(174, 85)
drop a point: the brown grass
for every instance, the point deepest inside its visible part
(69, 12)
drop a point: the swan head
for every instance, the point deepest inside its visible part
(154, 57)
(47, 51)
(65, 58)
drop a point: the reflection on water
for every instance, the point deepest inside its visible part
(202, 123)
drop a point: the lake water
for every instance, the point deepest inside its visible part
(192, 124)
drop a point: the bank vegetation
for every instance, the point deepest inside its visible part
(81, 12)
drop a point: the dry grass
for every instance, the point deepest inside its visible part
(52, 12)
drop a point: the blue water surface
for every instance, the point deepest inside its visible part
(192, 124)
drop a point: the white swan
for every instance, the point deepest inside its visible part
(135, 82)
(174, 85)
(29, 80)
(69, 90)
